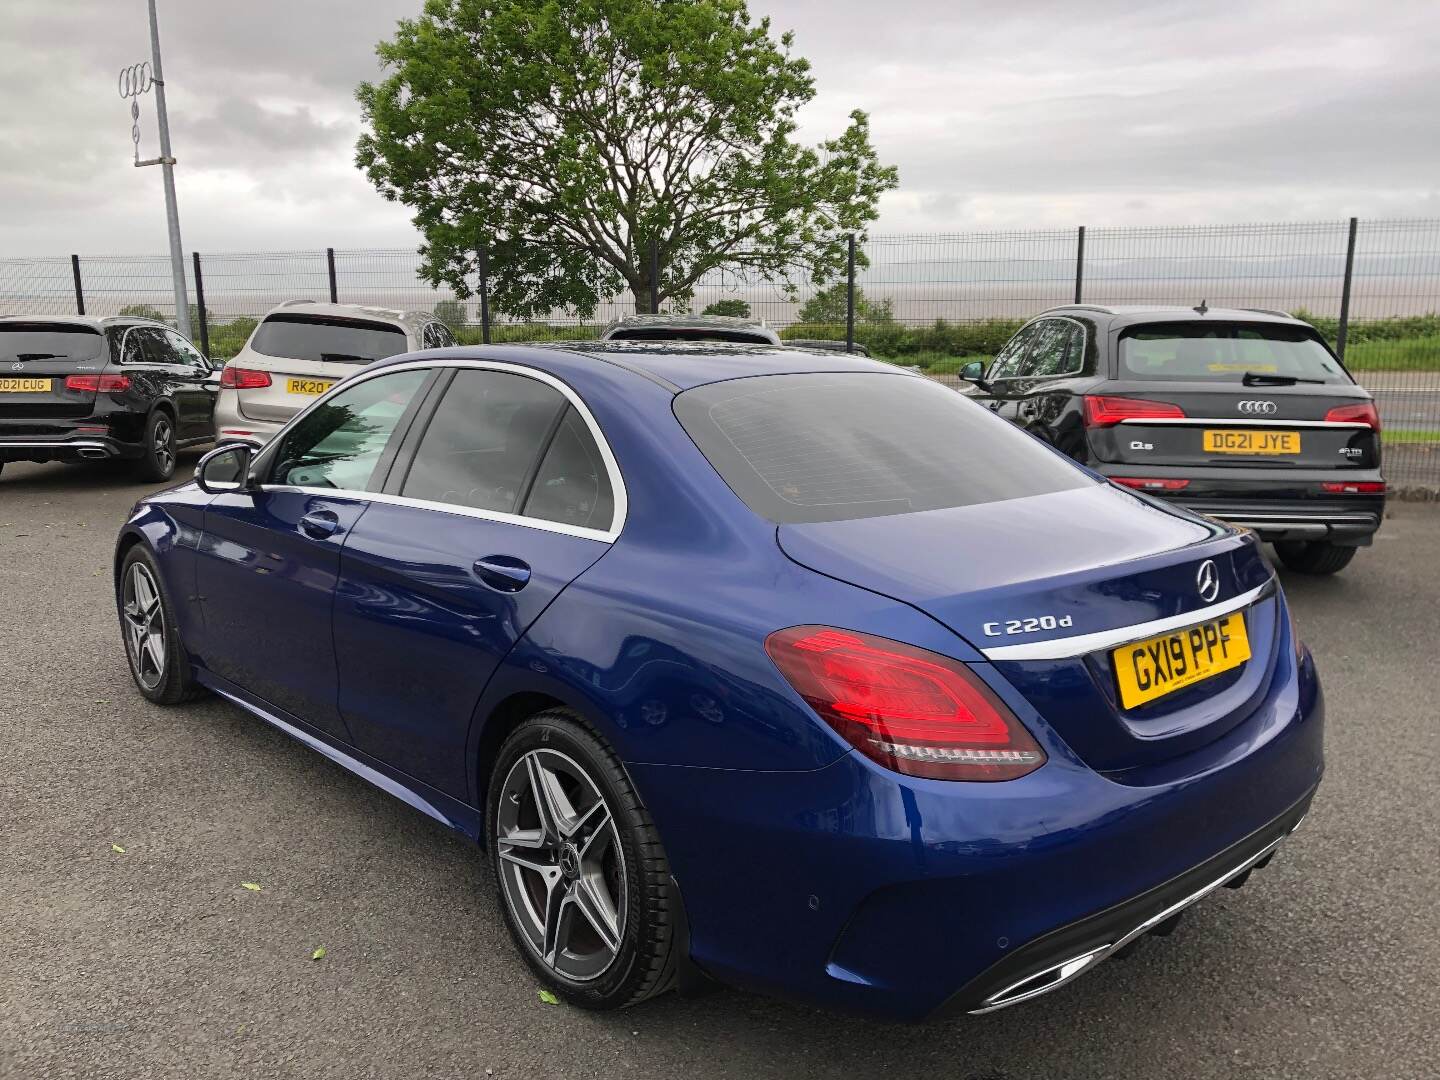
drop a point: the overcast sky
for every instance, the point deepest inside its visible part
(1013, 114)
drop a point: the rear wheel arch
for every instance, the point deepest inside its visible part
(496, 727)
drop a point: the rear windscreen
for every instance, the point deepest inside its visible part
(690, 333)
(832, 447)
(327, 339)
(59, 342)
(1224, 352)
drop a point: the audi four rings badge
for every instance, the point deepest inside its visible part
(1256, 406)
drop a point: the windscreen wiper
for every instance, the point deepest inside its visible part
(1257, 378)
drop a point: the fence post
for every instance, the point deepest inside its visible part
(850, 293)
(1344, 329)
(330, 266)
(79, 292)
(483, 264)
(200, 306)
(1080, 264)
(653, 259)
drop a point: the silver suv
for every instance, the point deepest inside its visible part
(301, 349)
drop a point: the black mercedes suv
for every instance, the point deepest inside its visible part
(1244, 415)
(75, 389)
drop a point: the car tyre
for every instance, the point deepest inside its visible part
(1314, 556)
(157, 464)
(581, 875)
(159, 664)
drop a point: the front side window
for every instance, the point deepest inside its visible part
(832, 447)
(1203, 351)
(184, 352)
(1059, 349)
(482, 445)
(339, 443)
(327, 339)
(1007, 360)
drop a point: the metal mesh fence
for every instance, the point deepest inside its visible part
(936, 300)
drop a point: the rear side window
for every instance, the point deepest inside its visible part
(22, 342)
(831, 447)
(322, 338)
(484, 440)
(573, 485)
(1202, 351)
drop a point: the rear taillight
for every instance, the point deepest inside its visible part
(1151, 483)
(1353, 487)
(1362, 412)
(98, 384)
(910, 710)
(238, 378)
(1102, 411)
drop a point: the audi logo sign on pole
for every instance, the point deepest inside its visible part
(1256, 407)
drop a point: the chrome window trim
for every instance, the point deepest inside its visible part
(612, 467)
(1078, 645)
(1243, 422)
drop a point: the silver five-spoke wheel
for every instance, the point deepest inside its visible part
(561, 865)
(144, 625)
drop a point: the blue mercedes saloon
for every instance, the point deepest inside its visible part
(779, 669)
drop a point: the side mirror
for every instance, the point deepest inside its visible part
(226, 468)
(974, 372)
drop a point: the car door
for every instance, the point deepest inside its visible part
(1040, 386)
(269, 558)
(1003, 369)
(497, 501)
(195, 388)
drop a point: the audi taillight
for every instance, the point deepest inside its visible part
(98, 384)
(910, 710)
(236, 378)
(1151, 483)
(1104, 411)
(1362, 412)
(1353, 487)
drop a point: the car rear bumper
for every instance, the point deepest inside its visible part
(231, 422)
(1350, 523)
(75, 446)
(856, 889)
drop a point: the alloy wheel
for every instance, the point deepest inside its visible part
(163, 438)
(561, 865)
(144, 626)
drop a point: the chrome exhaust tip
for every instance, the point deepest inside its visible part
(93, 453)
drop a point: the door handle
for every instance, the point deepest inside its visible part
(503, 573)
(320, 524)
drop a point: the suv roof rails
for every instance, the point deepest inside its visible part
(1269, 311)
(1081, 307)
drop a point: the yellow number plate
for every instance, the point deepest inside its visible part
(307, 386)
(1251, 442)
(24, 386)
(1161, 665)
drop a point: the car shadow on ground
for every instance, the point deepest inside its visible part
(68, 477)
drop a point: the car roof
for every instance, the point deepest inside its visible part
(351, 311)
(1133, 314)
(94, 322)
(677, 365)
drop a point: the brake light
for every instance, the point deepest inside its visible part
(908, 709)
(237, 378)
(1151, 483)
(1362, 412)
(98, 384)
(1102, 411)
(1353, 487)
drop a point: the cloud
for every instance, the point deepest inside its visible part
(1027, 114)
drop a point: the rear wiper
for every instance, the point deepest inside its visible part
(1256, 378)
(39, 356)
(345, 358)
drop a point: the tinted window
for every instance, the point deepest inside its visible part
(1224, 352)
(323, 338)
(1007, 360)
(22, 342)
(339, 442)
(482, 444)
(690, 333)
(437, 336)
(573, 485)
(183, 352)
(1058, 350)
(829, 447)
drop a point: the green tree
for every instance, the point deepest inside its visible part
(573, 135)
(828, 306)
(451, 313)
(143, 311)
(732, 306)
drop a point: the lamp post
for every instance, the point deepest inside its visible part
(135, 80)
